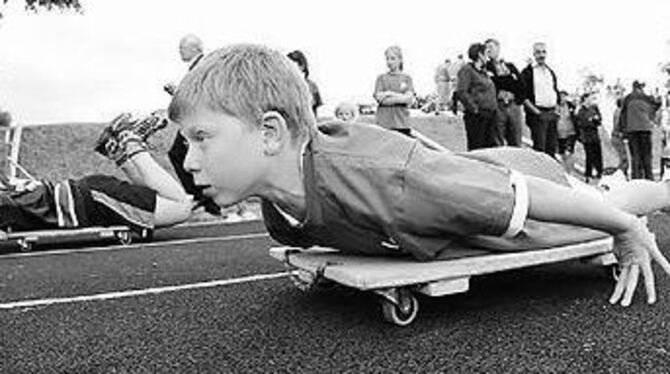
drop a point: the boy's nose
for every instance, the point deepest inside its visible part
(192, 160)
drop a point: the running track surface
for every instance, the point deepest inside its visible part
(231, 310)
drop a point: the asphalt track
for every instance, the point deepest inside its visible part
(209, 299)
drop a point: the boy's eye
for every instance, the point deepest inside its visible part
(198, 136)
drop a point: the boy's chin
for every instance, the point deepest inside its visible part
(224, 200)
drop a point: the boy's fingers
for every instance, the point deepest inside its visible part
(660, 258)
(631, 285)
(649, 282)
(620, 285)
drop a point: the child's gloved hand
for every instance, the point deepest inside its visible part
(634, 249)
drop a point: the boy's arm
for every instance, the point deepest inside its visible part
(634, 245)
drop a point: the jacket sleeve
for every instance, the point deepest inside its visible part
(463, 90)
(525, 81)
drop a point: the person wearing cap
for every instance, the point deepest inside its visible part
(637, 121)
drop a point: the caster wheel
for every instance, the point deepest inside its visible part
(403, 313)
(124, 237)
(26, 245)
(303, 280)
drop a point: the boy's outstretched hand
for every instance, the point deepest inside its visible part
(634, 249)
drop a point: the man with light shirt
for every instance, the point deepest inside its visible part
(540, 99)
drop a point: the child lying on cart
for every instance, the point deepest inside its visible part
(245, 111)
(153, 199)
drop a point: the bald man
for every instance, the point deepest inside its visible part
(191, 52)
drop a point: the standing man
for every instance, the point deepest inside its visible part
(191, 52)
(443, 85)
(540, 88)
(637, 115)
(506, 77)
(478, 94)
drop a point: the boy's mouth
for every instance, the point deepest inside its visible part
(206, 189)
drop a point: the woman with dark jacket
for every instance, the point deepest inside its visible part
(588, 122)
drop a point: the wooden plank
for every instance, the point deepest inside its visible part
(65, 233)
(367, 273)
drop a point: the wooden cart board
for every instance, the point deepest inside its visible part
(27, 239)
(397, 280)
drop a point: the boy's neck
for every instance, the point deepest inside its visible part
(286, 187)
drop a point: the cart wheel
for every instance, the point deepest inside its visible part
(26, 245)
(124, 237)
(403, 313)
(303, 280)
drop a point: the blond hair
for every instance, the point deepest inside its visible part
(246, 81)
(346, 107)
(394, 50)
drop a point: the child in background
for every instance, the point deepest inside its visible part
(665, 152)
(301, 60)
(394, 92)
(360, 189)
(566, 130)
(346, 112)
(618, 139)
(588, 122)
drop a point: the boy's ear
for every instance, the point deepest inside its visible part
(274, 131)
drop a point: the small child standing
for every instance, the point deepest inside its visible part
(566, 130)
(394, 92)
(665, 153)
(588, 122)
(346, 112)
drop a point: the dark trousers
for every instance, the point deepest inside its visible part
(480, 129)
(177, 155)
(594, 159)
(543, 131)
(640, 154)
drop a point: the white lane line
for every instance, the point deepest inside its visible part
(135, 293)
(136, 246)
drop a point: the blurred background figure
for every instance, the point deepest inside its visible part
(301, 60)
(588, 123)
(565, 129)
(505, 76)
(191, 51)
(394, 93)
(346, 112)
(618, 139)
(477, 93)
(443, 85)
(638, 113)
(541, 97)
